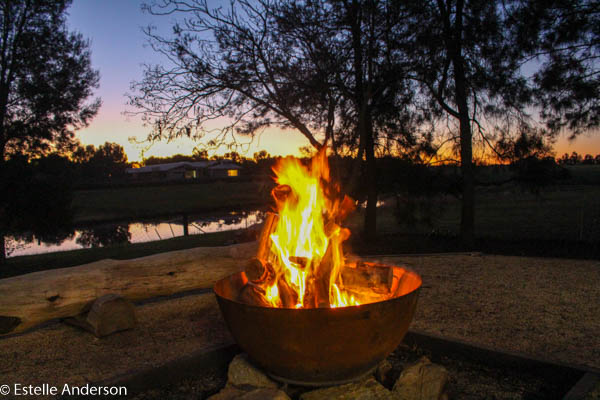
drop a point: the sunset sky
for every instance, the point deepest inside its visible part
(119, 49)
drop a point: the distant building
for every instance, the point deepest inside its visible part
(185, 170)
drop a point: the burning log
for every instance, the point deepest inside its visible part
(403, 282)
(259, 272)
(310, 299)
(302, 262)
(323, 279)
(264, 242)
(283, 194)
(323, 272)
(288, 296)
(368, 276)
(253, 295)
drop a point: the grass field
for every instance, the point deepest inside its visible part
(147, 201)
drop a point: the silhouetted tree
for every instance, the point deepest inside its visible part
(45, 79)
(326, 69)
(564, 159)
(82, 154)
(105, 235)
(224, 62)
(468, 65)
(108, 160)
(261, 155)
(564, 38)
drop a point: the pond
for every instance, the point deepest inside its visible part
(106, 234)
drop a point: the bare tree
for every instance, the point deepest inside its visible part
(327, 69)
(226, 65)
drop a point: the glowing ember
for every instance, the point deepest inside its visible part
(300, 262)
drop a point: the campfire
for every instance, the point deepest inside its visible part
(302, 310)
(300, 262)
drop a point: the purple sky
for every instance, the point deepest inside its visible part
(119, 49)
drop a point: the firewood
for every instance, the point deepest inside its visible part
(254, 269)
(367, 277)
(253, 295)
(264, 241)
(310, 299)
(302, 262)
(259, 272)
(406, 282)
(366, 296)
(289, 298)
(323, 273)
(284, 194)
(322, 278)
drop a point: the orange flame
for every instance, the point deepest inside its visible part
(305, 248)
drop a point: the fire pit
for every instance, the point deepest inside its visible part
(303, 311)
(318, 346)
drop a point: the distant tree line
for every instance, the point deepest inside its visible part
(575, 159)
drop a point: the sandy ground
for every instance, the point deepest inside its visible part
(60, 353)
(549, 308)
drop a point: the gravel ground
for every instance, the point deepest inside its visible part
(543, 307)
(537, 306)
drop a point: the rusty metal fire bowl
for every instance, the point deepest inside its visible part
(318, 346)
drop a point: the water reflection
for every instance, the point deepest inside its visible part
(104, 235)
(101, 235)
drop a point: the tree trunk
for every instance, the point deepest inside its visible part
(467, 218)
(370, 222)
(362, 95)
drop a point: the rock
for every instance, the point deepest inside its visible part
(242, 373)
(383, 371)
(422, 381)
(368, 389)
(107, 314)
(228, 393)
(265, 394)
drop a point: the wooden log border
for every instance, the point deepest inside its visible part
(32, 299)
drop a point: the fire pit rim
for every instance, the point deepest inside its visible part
(407, 269)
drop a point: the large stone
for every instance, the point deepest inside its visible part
(265, 394)
(422, 381)
(228, 393)
(233, 393)
(368, 389)
(383, 372)
(107, 314)
(242, 373)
